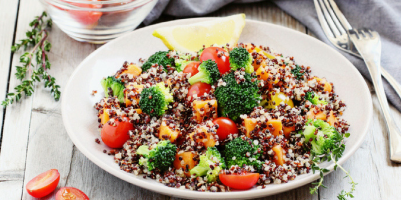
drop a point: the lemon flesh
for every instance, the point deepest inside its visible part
(192, 37)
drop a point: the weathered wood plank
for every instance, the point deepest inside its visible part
(17, 118)
(8, 14)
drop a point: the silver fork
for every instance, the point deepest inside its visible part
(367, 43)
(335, 26)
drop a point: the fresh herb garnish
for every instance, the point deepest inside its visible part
(36, 38)
(329, 147)
(298, 72)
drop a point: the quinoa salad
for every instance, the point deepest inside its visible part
(222, 119)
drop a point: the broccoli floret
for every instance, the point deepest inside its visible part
(212, 157)
(325, 139)
(298, 72)
(235, 99)
(159, 58)
(243, 152)
(183, 60)
(161, 156)
(208, 73)
(154, 100)
(241, 58)
(116, 86)
(314, 99)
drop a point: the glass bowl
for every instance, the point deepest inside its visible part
(97, 21)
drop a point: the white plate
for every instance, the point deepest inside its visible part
(80, 119)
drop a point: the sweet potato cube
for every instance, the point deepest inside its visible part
(327, 86)
(278, 155)
(104, 117)
(250, 125)
(263, 74)
(332, 119)
(287, 131)
(205, 137)
(275, 126)
(204, 109)
(320, 115)
(166, 132)
(185, 161)
(134, 70)
(269, 56)
(133, 91)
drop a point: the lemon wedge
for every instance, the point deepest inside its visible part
(192, 37)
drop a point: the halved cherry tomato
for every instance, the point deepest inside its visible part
(192, 68)
(226, 127)
(70, 193)
(116, 136)
(199, 89)
(219, 55)
(86, 17)
(43, 184)
(239, 181)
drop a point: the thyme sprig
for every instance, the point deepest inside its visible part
(334, 152)
(37, 39)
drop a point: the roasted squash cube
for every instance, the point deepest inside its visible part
(204, 110)
(132, 69)
(278, 155)
(202, 135)
(185, 161)
(166, 132)
(275, 126)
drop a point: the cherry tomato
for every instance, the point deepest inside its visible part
(86, 17)
(116, 136)
(239, 181)
(199, 89)
(67, 193)
(192, 68)
(226, 127)
(43, 184)
(218, 55)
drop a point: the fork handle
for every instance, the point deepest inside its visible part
(393, 131)
(396, 86)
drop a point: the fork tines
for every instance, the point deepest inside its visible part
(332, 20)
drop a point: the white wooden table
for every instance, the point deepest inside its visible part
(33, 138)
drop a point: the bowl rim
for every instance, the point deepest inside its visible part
(100, 6)
(219, 195)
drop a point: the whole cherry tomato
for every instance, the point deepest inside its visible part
(192, 68)
(239, 181)
(226, 127)
(68, 193)
(43, 184)
(219, 55)
(116, 134)
(199, 89)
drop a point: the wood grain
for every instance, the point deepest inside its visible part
(8, 14)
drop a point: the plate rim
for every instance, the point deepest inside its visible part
(207, 195)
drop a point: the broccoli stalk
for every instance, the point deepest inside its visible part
(241, 58)
(327, 144)
(183, 60)
(243, 152)
(160, 58)
(154, 100)
(235, 99)
(314, 99)
(116, 86)
(161, 156)
(208, 73)
(212, 157)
